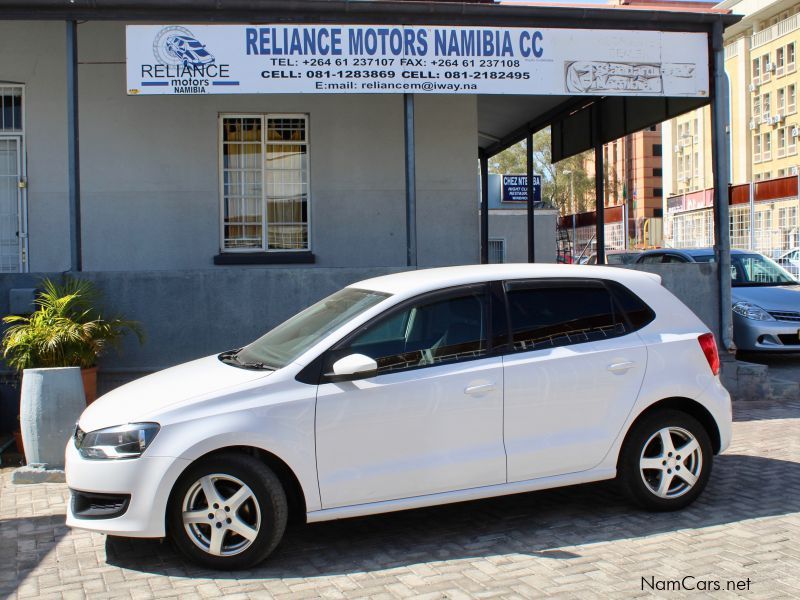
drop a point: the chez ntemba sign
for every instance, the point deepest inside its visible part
(515, 188)
(275, 59)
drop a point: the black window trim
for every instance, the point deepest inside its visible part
(495, 291)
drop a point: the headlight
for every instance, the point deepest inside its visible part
(752, 311)
(124, 441)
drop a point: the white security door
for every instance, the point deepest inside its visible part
(429, 421)
(12, 233)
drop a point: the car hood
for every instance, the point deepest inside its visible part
(774, 297)
(133, 402)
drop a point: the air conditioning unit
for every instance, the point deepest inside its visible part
(793, 171)
(767, 118)
(752, 87)
(771, 67)
(777, 119)
(676, 148)
(795, 132)
(752, 126)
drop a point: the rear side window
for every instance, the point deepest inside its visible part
(637, 312)
(561, 314)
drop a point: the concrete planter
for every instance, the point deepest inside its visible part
(51, 402)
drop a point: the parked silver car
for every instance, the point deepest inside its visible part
(766, 297)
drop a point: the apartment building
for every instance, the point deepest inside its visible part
(633, 194)
(761, 64)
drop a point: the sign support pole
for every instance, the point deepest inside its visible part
(531, 227)
(599, 187)
(73, 153)
(411, 181)
(484, 161)
(719, 155)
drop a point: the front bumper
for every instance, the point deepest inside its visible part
(147, 480)
(769, 336)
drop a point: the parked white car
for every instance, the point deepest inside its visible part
(410, 390)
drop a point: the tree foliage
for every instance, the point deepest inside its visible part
(558, 180)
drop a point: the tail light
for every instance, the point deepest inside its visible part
(709, 346)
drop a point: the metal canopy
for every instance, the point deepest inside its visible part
(373, 12)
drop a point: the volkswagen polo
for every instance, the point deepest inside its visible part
(409, 390)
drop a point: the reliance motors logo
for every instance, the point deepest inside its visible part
(178, 46)
(183, 63)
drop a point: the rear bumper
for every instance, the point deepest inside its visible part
(144, 483)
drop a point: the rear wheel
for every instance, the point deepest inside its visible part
(665, 461)
(227, 512)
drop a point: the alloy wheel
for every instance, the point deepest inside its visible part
(671, 462)
(221, 515)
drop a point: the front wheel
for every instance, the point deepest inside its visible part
(665, 461)
(227, 512)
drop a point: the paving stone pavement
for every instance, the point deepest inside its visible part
(579, 542)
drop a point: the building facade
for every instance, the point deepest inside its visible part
(761, 64)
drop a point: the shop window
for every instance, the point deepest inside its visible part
(265, 187)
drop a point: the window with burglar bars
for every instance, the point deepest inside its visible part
(11, 108)
(265, 187)
(497, 251)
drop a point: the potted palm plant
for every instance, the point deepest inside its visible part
(66, 330)
(54, 348)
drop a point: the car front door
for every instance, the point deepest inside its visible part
(430, 420)
(571, 378)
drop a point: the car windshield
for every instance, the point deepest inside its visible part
(291, 338)
(758, 270)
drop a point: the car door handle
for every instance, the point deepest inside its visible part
(621, 367)
(480, 388)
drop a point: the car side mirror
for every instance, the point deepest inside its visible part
(353, 366)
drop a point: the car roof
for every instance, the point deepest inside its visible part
(693, 251)
(409, 283)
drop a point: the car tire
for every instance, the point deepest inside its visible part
(665, 461)
(227, 512)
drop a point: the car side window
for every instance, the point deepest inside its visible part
(432, 332)
(637, 312)
(674, 258)
(552, 315)
(652, 259)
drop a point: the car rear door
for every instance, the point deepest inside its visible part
(430, 420)
(571, 378)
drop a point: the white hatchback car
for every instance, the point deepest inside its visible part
(410, 390)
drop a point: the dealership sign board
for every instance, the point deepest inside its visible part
(289, 59)
(515, 188)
